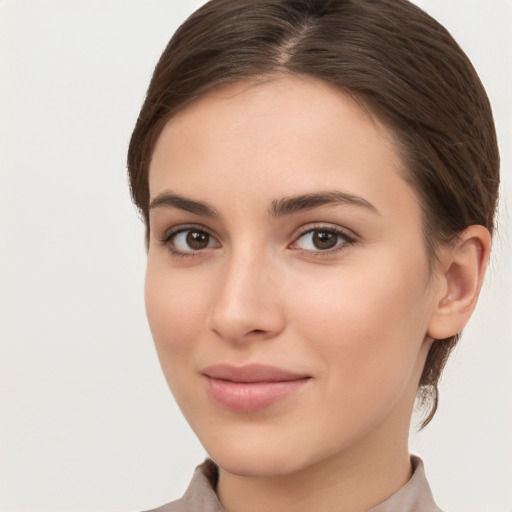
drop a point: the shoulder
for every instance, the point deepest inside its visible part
(414, 496)
(200, 495)
(174, 506)
(169, 507)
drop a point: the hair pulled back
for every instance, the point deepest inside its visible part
(400, 63)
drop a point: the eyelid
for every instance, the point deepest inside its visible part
(327, 226)
(350, 238)
(168, 235)
(174, 230)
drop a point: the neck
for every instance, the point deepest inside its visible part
(353, 481)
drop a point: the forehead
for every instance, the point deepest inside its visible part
(280, 97)
(289, 133)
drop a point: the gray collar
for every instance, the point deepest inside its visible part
(414, 496)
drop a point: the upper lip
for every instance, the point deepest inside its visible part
(251, 373)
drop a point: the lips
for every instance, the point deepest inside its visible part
(252, 387)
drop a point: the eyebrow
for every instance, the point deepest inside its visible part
(304, 202)
(169, 199)
(279, 207)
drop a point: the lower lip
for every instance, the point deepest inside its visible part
(251, 396)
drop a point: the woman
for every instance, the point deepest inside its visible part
(318, 181)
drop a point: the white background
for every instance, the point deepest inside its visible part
(87, 423)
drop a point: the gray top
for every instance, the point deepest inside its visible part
(414, 496)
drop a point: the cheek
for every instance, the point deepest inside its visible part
(369, 319)
(175, 307)
(368, 336)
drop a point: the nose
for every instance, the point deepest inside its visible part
(246, 305)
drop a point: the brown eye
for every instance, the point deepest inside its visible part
(197, 240)
(191, 240)
(324, 239)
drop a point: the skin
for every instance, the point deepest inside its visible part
(356, 318)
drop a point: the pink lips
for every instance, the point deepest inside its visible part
(252, 387)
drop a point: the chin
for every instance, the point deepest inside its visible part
(254, 457)
(255, 465)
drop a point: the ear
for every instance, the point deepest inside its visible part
(460, 273)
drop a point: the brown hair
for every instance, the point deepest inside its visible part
(398, 61)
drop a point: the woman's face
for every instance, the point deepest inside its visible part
(288, 288)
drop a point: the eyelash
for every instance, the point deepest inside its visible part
(346, 240)
(169, 235)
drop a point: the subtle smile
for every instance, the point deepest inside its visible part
(252, 387)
